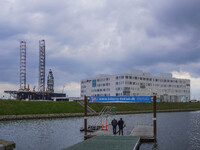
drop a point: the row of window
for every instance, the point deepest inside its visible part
(83, 91)
(100, 90)
(85, 81)
(150, 79)
(148, 90)
(150, 84)
(104, 94)
(120, 83)
(83, 86)
(103, 79)
(103, 84)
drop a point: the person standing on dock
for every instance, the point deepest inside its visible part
(121, 125)
(114, 124)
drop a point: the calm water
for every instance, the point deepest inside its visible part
(176, 131)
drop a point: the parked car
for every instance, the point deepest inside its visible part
(193, 101)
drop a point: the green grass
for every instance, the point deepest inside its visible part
(144, 106)
(13, 107)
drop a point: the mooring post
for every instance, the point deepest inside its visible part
(154, 118)
(85, 116)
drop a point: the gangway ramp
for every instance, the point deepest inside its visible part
(88, 108)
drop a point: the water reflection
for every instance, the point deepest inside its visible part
(194, 134)
(42, 134)
(175, 131)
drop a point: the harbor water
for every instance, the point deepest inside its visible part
(175, 131)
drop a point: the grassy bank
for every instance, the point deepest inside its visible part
(12, 107)
(144, 106)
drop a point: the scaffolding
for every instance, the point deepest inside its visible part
(22, 65)
(41, 83)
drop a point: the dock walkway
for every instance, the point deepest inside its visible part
(108, 143)
(145, 132)
(105, 140)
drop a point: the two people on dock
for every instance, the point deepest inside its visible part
(120, 124)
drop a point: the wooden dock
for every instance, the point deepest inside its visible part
(6, 145)
(105, 140)
(145, 132)
(108, 132)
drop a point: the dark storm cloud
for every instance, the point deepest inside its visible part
(85, 38)
(179, 14)
(173, 20)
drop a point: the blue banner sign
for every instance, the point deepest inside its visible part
(133, 99)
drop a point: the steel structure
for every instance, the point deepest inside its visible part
(22, 65)
(41, 83)
(50, 82)
(24, 95)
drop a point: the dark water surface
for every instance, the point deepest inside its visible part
(176, 131)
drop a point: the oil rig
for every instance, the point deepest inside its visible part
(24, 92)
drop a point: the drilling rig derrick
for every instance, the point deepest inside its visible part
(50, 82)
(22, 65)
(41, 83)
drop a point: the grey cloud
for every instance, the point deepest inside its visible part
(105, 36)
(181, 13)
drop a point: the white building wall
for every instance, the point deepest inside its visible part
(138, 83)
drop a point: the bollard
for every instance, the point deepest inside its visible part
(102, 126)
(106, 125)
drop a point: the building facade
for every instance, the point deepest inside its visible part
(138, 83)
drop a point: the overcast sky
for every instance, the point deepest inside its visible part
(85, 38)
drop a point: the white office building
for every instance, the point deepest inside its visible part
(138, 83)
